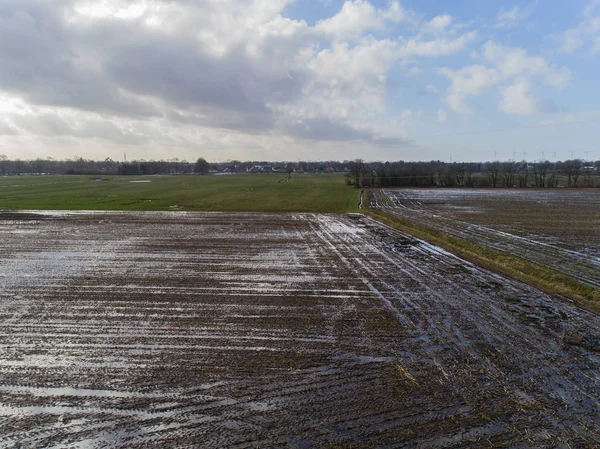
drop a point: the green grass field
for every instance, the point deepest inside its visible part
(239, 193)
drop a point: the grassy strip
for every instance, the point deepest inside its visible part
(538, 276)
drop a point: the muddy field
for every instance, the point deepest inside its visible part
(558, 228)
(287, 330)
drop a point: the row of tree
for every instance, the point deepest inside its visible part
(81, 166)
(571, 173)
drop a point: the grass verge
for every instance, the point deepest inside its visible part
(538, 276)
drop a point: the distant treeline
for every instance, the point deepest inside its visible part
(570, 173)
(359, 173)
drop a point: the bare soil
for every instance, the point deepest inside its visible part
(277, 330)
(557, 228)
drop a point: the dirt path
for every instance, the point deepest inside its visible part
(262, 330)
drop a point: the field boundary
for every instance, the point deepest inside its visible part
(543, 278)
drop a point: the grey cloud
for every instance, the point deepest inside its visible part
(106, 65)
(324, 129)
(232, 91)
(43, 124)
(330, 130)
(41, 63)
(52, 125)
(7, 130)
(127, 69)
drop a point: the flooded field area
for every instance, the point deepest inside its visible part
(558, 228)
(218, 330)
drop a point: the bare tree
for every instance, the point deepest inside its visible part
(493, 171)
(523, 175)
(540, 173)
(508, 171)
(460, 173)
(356, 169)
(571, 169)
(469, 175)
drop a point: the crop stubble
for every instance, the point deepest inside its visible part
(175, 329)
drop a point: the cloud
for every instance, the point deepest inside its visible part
(510, 69)
(443, 46)
(358, 16)
(439, 23)
(456, 102)
(7, 130)
(469, 81)
(516, 62)
(517, 99)
(183, 72)
(40, 64)
(512, 17)
(586, 31)
(49, 124)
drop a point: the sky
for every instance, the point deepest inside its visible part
(286, 80)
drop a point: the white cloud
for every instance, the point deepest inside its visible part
(471, 80)
(395, 12)
(508, 18)
(443, 46)
(442, 116)
(515, 62)
(456, 102)
(587, 30)
(468, 81)
(512, 70)
(358, 16)
(518, 100)
(439, 23)
(558, 78)
(512, 17)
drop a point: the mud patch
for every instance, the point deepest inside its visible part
(256, 330)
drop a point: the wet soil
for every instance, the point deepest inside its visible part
(557, 228)
(278, 330)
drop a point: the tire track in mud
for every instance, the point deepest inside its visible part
(580, 265)
(262, 330)
(485, 318)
